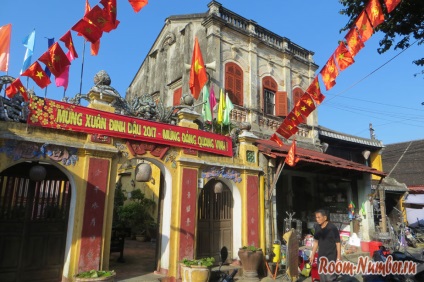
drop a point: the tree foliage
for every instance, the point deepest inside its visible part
(403, 27)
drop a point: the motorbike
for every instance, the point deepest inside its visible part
(223, 276)
(397, 256)
(410, 237)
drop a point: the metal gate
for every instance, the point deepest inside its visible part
(33, 224)
(215, 220)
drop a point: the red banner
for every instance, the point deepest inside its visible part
(61, 115)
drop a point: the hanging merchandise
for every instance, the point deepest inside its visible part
(362, 210)
(283, 254)
(351, 210)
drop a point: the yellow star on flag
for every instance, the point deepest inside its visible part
(197, 66)
(39, 75)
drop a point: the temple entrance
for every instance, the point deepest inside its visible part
(34, 209)
(215, 220)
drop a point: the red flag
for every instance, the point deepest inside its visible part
(100, 19)
(289, 126)
(5, 35)
(55, 59)
(374, 12)
(298, 114)
(276, 139)
(87, 7)
(69, 43)
(280, 130)
(90, 32)
(109, 12)
(291, 158)
(36, 72)
(11, 90)
(343, 56)
(198, 76)
(391, 4)
(17, 84)
(293, 118)
(364, 26)
(94, 50)
(306, 105)
(111, 9)
(315, 91)
(329, 73)
(296, 117)
(138, 4)
(354, 41)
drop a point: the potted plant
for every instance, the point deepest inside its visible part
(95, 275)
(137, 214)
(251, 258)
(196, 270)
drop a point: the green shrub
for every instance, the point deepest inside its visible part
(199, 262)
(95, 273)
(251, 248)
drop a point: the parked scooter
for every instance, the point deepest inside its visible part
(410, 237)
(382, 254)
(223, 276)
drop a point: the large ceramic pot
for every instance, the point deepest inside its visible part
(250, 262)
(195, 273)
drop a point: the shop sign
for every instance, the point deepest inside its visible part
(60, 115)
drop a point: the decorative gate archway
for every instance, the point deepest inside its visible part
(33, 222)
(215, 220)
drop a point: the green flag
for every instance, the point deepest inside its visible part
(206, 109)
(228, 108)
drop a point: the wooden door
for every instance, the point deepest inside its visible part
(33, 225)
(215, 221)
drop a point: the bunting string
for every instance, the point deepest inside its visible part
(362, 29)
(94, 22)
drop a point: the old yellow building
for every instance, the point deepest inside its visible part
(58, 174)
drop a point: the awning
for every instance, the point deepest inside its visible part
(416, 189)
(390, 184)
(272, 149)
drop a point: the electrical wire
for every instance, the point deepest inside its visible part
(368, 75)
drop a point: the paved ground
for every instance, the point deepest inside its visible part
(139, 262)
(139, 265)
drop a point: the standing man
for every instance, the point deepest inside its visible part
(327, 242)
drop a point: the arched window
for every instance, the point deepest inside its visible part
(274, 102)
(234, 83)
(297, 94)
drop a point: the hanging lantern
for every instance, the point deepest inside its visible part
(37, 173)
(218, 187)
(143, 172)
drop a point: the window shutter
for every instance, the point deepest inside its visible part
(234, 83)
(177, 96)
(281, 103)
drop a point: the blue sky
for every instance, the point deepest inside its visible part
(377, 89)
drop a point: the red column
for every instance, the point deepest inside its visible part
(253, 210)
(188, 213)
(94, 209)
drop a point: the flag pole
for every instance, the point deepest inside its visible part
(277, 175)
(82, 66)
(45, 92)
(64, 94)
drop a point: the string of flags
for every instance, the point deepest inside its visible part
(91, 26)
(362, 29)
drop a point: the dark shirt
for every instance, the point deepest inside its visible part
(327, 238)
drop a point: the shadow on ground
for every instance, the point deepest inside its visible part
(139, 260)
